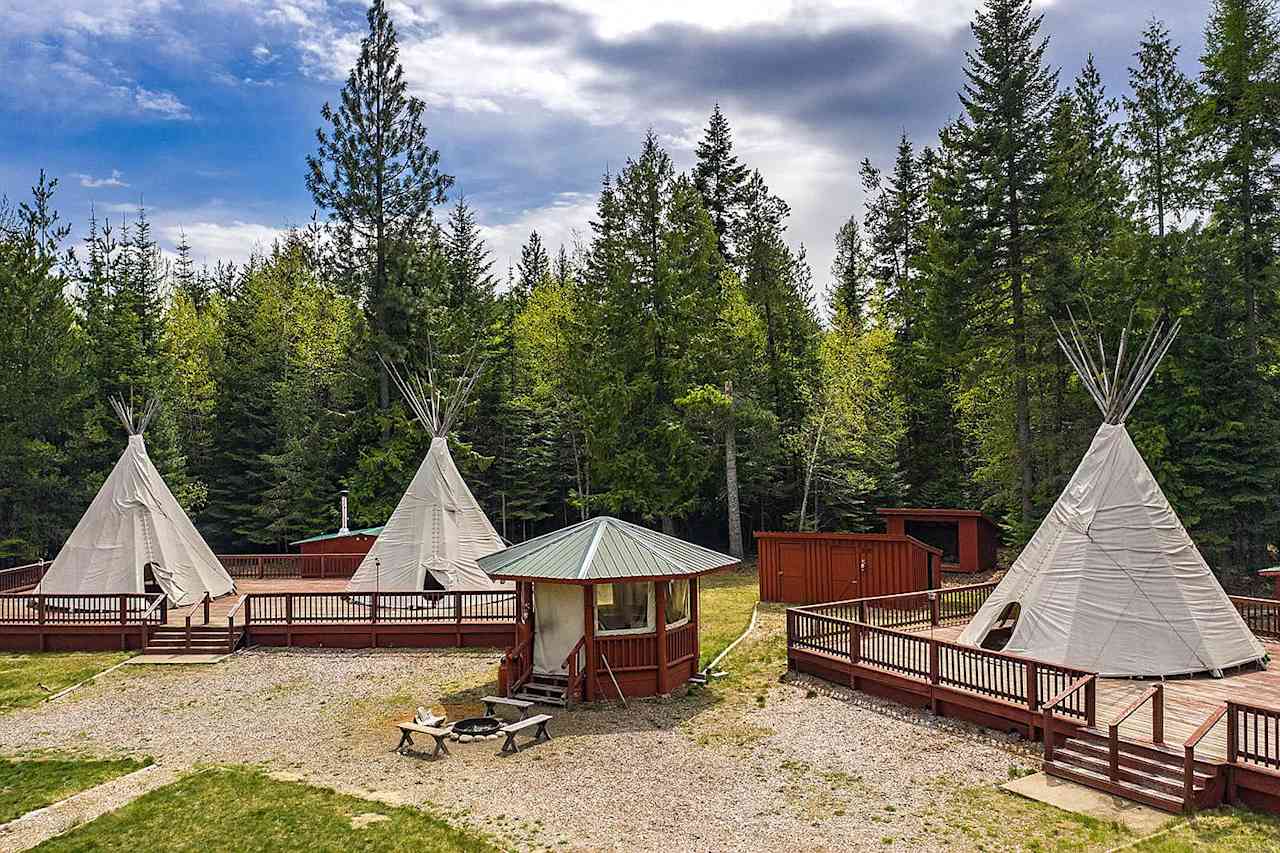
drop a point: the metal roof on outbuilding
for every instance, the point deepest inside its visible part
(367, 531)
(601, 550)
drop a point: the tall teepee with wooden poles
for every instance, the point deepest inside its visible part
(1111, 582)
(135, 537)
(438, 530)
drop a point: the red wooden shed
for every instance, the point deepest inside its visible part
(351, 542)
(809, 568)
(968, 538)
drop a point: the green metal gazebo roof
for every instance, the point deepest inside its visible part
(367, 531)
(601, 550)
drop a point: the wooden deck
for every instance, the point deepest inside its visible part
(219, 608)
(1188, 701)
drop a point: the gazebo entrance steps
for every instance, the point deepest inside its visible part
(1145, 773)
(545, 689)
(205, 640)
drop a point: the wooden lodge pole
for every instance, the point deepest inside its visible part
(589, 632)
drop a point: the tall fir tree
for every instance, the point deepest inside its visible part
(375, 170)
(721, 180)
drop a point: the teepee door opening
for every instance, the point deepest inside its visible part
(999, 633)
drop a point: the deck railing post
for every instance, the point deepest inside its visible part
(933, 609)
(1091, 703)
(164, 608)
(1033, 685)
(248, 609)
(1232, 734)
(260, 575)
(1047, 729)
(373, 607)
(206, 608)
(855, 643)
(1113, 752)
(288, 608)
(457, 607)
(1157, 715)
(124, 609)
(40, 608)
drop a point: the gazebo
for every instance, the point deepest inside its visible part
(606, 609)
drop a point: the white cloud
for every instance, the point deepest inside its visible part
(165, 104)
(94, 183)
(262, 54)
(232, 241)
(562, 221)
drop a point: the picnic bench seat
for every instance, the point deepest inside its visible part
(408, 729)
(491, 703)
(513, 729)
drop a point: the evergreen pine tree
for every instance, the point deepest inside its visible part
(535, 264)
(721, 180)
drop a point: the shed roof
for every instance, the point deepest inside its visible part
(601, 550)
(366, 531)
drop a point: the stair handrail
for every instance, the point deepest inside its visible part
(1189, 755)
(1084, 682)
(231, 622)
(1155, 693)
(146, 614)
(570, 664)
(516, 656)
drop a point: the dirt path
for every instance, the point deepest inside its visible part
(42, 824)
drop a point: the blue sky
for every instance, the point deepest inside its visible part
(206, 115)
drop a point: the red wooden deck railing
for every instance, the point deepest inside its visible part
(124, 609)
(294, 608)
(1262, 615)
(868, 633)
(1253, 735)
(22, 578)
(271, 566)
(682, 643)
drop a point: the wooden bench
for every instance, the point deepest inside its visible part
(491, 703)
(407, 730)
(512, 729)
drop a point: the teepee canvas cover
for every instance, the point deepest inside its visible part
(135, 522)
(438, 528)
(1111, 582)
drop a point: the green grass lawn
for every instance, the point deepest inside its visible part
(242, 810)
(726, 602)
(29, 785)
(27, 679)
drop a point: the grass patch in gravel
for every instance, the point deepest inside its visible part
(29, 785)
(1221, 830)
(22, 675)
(725, 609)
(235, 808)
(988, 818)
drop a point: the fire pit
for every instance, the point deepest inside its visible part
(476, 728)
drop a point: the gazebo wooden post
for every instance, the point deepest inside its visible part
(589, 632)
(693, 618)
(660, 604)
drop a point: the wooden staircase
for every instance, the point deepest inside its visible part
(1145, 773)
(545, 689)
(203, 640)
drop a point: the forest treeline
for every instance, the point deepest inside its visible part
(675, 366)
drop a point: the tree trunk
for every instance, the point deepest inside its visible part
(731, 478)
(668, 525)
(1023, 413)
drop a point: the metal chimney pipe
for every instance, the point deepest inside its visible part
(342, 503)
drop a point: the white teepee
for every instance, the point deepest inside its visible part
(438, 529)
(1111, 582)
(134, 526)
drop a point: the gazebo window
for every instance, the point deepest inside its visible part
(677, 602)
(624, 608)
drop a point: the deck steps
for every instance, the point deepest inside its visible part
(205, 640)
(1146, 773)
(545, 689)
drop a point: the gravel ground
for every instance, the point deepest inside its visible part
(806, 767)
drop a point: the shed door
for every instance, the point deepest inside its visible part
(791, 572)
(846, 561)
